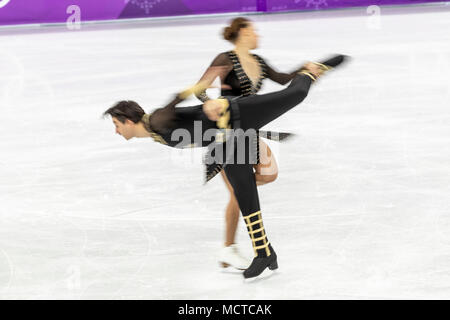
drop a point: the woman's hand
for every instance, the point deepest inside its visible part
(313, 68)
(214, 109)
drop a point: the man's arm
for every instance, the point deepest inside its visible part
(162, 119)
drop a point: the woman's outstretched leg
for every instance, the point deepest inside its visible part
(256, 111)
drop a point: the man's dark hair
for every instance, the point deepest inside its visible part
(124, 110)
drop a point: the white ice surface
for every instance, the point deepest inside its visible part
(361, 208)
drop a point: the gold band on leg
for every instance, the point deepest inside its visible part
(322, 66)
(254, 222)
(252, 215)
(255, 227)
(252, 232)
(309, 74)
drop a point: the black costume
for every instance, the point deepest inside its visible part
(246, 113)
(238, 80)
(240, 84)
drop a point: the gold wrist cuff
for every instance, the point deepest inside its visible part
(224, 120)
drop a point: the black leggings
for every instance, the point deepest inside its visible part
(253, 113)
(242, 179)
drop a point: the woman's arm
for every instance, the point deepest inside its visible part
(279, 77)
(220, 67)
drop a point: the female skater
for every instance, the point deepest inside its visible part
(241, 74)
(166, 125)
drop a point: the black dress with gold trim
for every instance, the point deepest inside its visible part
(240, 85)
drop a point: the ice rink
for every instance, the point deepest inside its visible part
(361, 207)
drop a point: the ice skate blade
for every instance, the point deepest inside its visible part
(266, 274)
(274, 265)
(227, 266)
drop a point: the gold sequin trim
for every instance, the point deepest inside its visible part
(156, 137)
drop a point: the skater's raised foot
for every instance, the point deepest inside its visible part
(311, 70)
(231, 257)
(316, 69)
(334, 61)
(259, 264)
(331, 63)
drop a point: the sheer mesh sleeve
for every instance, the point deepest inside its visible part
(163, 119)
(279, 77)
(220, 67)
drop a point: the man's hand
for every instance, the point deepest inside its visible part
(215, 108)
(313, 68)
(196, 89)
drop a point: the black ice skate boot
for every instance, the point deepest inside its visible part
(260, 263)
(333, 62)
(325, 65)
(265, 256)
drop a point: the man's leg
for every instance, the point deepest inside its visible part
(242, 179)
